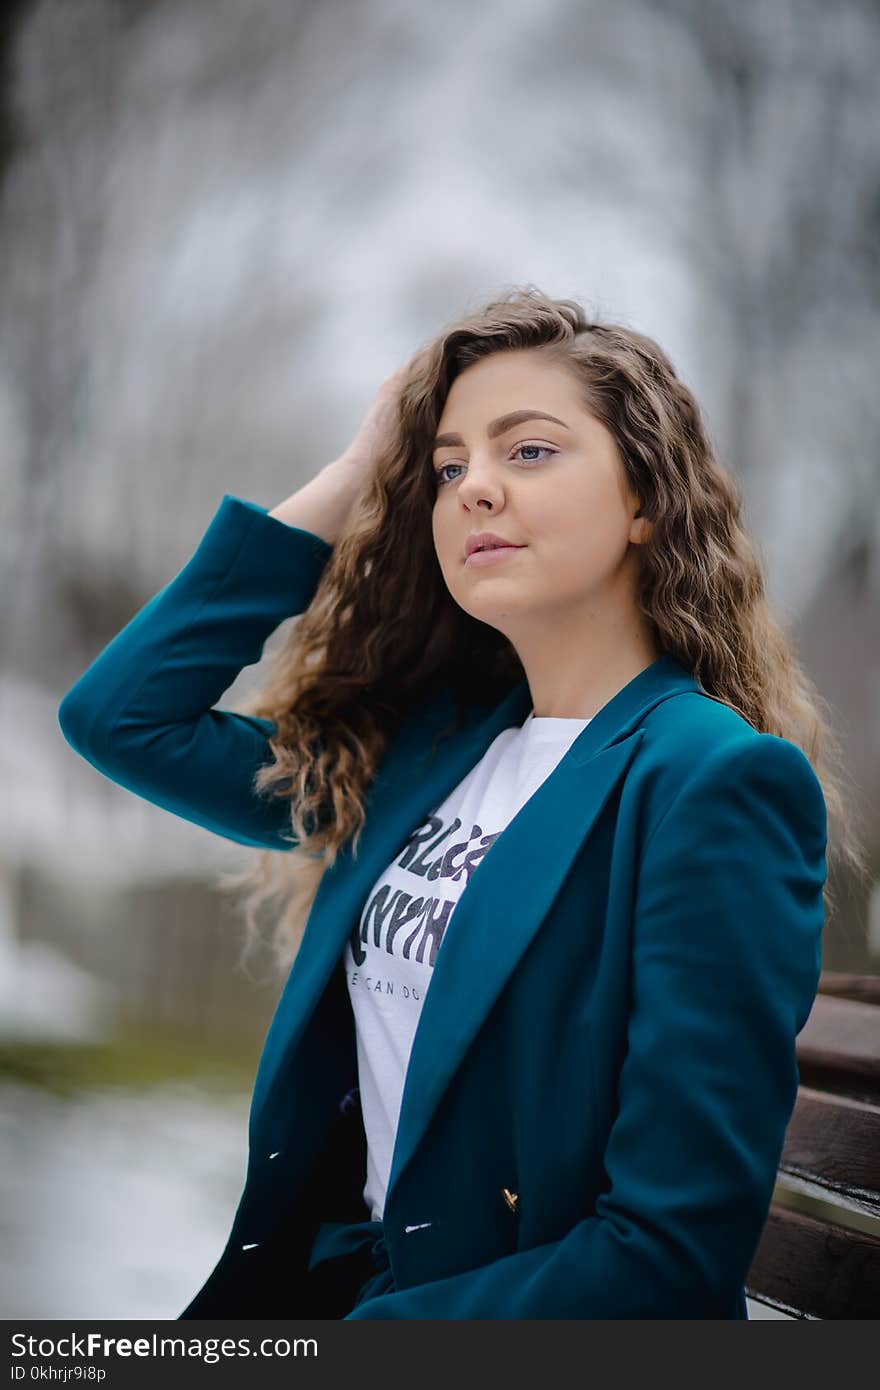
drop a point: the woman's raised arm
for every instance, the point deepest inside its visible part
(142, 713)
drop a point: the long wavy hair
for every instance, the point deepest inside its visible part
(379, 635)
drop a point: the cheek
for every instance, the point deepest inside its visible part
(444, 543)
(592, 510)
(580, 540)
(559, 525)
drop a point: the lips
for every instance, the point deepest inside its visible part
(486, 540)
(492, 555)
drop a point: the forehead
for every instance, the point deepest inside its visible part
(507, 381)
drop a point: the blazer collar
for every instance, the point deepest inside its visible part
(409, 784)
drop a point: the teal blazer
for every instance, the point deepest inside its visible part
(610, 1029)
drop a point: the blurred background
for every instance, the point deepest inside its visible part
(221, 226)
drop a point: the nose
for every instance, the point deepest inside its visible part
(480, 487)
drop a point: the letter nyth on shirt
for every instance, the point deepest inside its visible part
(390, 956)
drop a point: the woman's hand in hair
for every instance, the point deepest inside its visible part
(324, 505)
(378, 423)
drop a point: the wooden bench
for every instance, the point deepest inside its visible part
(819, 1255)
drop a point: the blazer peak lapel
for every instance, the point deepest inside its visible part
(500, 911)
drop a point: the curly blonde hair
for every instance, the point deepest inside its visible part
(378, 635)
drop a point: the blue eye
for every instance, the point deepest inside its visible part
(542, 448)
(438, 472)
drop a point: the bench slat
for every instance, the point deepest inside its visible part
(815, 1269)
(835, 1141)
(838, 1048)
(862, 987)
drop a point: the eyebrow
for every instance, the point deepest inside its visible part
(500, 426)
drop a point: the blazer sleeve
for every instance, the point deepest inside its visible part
(726, 957)
(142, 713)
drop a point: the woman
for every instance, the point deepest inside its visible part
(604, 719)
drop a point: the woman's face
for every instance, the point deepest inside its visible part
(554, 488)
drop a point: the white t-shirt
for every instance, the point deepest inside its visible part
(389, 963)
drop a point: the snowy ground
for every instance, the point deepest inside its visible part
(116, 1204)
